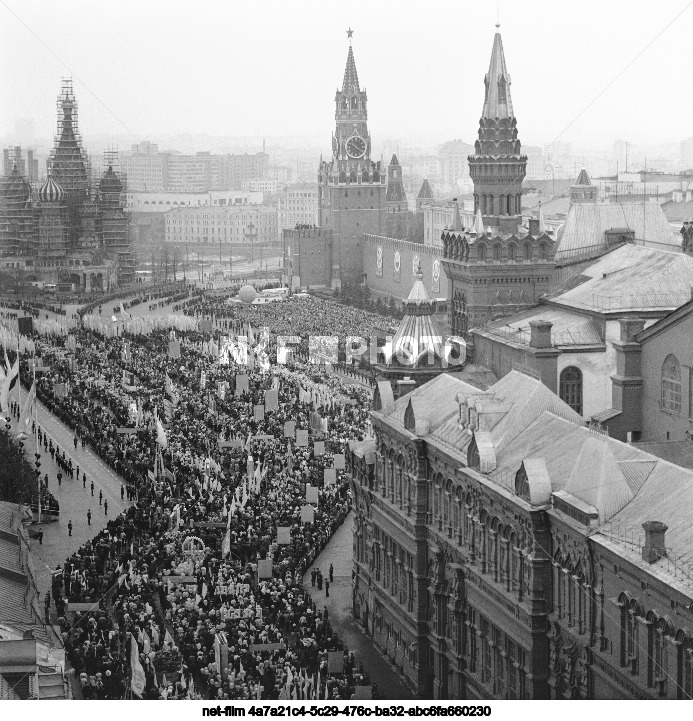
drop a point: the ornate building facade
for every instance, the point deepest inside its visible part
(504, 550)
(65, 231)
(351, 186)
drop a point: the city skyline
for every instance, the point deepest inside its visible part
(168, 83)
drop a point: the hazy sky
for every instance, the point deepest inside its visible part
(256, 68)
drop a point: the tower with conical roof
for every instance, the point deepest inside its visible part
(583, 191)
(498, 167)
(496, 267)
(417, 353)
(396, 202)
(351, 186)
(425, 195)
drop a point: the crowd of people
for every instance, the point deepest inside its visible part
(298, 316)
(199, 554)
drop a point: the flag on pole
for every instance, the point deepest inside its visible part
(168, 639)
(161, 435)
(226, 543)
(8, 382)
(138, 680)
(28, 409)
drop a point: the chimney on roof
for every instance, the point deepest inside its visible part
(627, 381)
(654, 547)
(540, 334)
(534, 227)
(404, 386)
(630, 327)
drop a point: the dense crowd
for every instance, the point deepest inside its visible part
(208, 516)
(302, 317)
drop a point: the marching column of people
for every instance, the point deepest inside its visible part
(221, 486)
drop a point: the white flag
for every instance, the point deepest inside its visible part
(138, 678)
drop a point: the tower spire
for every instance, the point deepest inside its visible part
(351, 78)
(498, 167)
(497, 101)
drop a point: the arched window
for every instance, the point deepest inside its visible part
(570, 388)
(497, 251)
(671, 384)
(543, 251)
(512, 251)
(481, 252)
(528, 251)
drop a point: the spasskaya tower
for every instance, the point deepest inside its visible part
(351, 187)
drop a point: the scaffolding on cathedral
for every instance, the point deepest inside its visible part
(17, 220)
(115, 226)
(69, 164)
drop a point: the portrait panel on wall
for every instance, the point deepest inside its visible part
(435, 284)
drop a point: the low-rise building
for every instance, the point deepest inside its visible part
(222, 224)
(144, 202)
(298, 205)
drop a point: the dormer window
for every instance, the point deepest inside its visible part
(522, 484)
(409, 419)
(473, 459)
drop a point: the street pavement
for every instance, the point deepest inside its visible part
(74, 500)
(338, 552)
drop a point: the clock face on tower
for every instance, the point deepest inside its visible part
(356, 147)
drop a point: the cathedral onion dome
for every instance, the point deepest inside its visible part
(50, 191)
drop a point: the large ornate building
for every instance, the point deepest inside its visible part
(66, 231)
(504, 550)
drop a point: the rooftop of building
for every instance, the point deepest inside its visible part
(622, 483)
(550, 208)
(629, 278)
(17, 611)
(680, 453)
(552, 188)
(507, 406)
(678, 212)
(567, 328)
(583, 233)
(519, 424)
